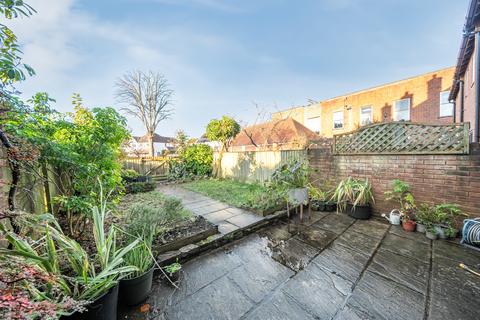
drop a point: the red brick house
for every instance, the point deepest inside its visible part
(466, 83)
(423, 98)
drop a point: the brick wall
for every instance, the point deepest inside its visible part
(433, 178)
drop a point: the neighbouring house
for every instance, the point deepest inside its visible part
(466, 83)
(423, 98)
(140, 147)
(282, 134)
(215, 145)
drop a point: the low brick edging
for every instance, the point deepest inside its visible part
(433, 178)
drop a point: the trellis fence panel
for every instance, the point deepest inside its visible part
(256, 166)
(405, 138)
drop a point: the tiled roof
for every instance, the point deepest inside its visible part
(275, 132)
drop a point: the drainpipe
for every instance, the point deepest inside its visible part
(477, 86)
(462, 99)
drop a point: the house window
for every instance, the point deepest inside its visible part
(314, 124)
(366, 115)
(338, 120)
(402, 110)
(446, 108)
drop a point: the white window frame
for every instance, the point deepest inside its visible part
(371, 115)
(316, 120)
(395, 110)
(343, 119)
(445, 104)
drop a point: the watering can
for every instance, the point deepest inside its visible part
(393, 217)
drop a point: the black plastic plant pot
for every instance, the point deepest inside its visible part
(359, 212)
(104, 308)
(330, 206)
(135, 291)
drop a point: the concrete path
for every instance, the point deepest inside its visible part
(331, 267)
(228, 218)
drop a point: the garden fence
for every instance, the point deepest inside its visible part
(256, 166)
(405, 138)
(156, 166)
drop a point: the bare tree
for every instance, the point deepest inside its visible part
(146, 96)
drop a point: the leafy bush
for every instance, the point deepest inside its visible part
(291, 175)
(80, 146)
(137, 187)
(401, 194)
(195, 160)
(129, 175)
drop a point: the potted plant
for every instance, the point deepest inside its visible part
(431, 232)
(401, 194)
(445, 216)
(173, 272)
(423, 217)
(355, 197)
(292, 179)
(320, 198)
(136, 286)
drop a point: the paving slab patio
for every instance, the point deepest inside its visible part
(228, 218)
(334, 268)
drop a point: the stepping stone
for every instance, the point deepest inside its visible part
(315, 237)
(276, 234)
(358, 241)
(449, 280)
(342, 261)
(244, 219)
(457, 253)
(220, 299)
(294, 254)
(453, 307)
(335, 222)
(416, 236)
(370, 228)
(225, 227)
(280, 307)
(378, 298)
(406, 247)
(409, 272)
(319, 291)
(218, 216)
(257, 278)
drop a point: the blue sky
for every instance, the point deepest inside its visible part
(243, 58)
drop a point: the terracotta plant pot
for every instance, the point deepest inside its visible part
(409, 225)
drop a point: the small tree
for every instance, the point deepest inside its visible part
(222, 130)
(146, 96)
(181, 141)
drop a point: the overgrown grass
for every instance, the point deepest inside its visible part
(238, 194)
(154, 206)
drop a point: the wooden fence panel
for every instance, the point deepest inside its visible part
(405, 138)
(157, 166)
(256, 166)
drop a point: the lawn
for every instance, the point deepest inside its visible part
(238, 194)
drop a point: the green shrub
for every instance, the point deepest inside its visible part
(137, 187)
(195, 160)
